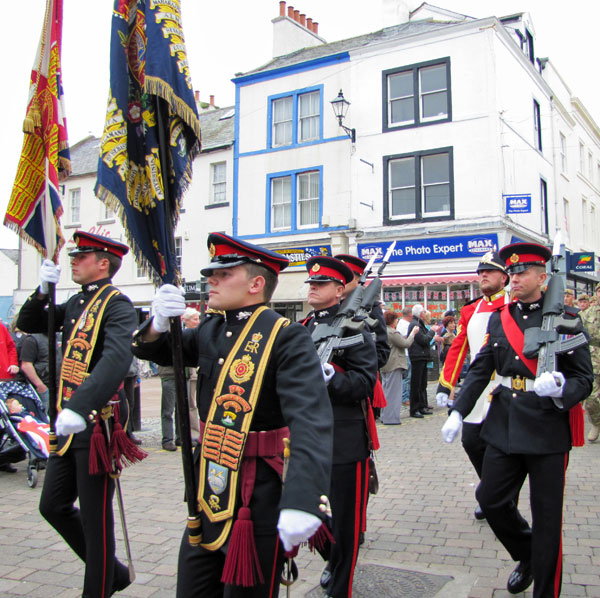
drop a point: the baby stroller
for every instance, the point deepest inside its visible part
(24, 428)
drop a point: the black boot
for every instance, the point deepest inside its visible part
(521, 578)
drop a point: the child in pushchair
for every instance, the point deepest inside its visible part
(24, 428)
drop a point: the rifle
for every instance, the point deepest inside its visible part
(557, 333)
(352, 315)
(330, 337)
(373, 291)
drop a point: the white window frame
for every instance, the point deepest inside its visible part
(218, 182)
(285, 123)
(75, 205)
(311, 175)
(285, 201)
(312, 119)
(563, 154)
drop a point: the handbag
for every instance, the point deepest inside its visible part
(373, 479)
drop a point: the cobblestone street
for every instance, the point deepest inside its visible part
(421, 521)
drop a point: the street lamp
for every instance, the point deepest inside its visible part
(340, 107)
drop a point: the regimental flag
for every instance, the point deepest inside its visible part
(34, 209)
(148, 61)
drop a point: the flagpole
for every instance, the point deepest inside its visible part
(183, 414)
(50, 238)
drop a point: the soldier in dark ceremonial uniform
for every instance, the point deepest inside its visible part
(527, 427)
(259, 381)
(353, 373)
(97, 324)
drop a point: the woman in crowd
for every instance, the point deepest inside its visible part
(393, 370)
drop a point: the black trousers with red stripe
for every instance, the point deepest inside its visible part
(199, 571)
(348, 498)
(89, 530)
(502, 478)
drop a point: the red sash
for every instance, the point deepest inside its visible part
(516, 339)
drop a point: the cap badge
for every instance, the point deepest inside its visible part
(211, 251)
(488, 258)
(315, 268)
(514, 258)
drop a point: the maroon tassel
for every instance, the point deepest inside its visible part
(379, 400)
(320, 539)
(123, 451)
(577, 425)
(99, 462)
(291, 554)
(242, 567)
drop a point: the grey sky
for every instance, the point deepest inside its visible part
(232, 36)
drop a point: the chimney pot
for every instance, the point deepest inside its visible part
(212, 100)
(309, 24)
(297, 16)
(315, 28)
(291, 12)
(282, 8)
(303, 20)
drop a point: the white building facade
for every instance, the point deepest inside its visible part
(464, 142)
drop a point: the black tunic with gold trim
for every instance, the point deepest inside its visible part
(89, 529)
(111, 353)
(293, 394)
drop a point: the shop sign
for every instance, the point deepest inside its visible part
(298, 256)
(518, 203)
(439, 248)
(582, 262)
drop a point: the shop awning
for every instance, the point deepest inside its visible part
(429, 279)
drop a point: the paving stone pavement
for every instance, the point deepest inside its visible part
(421, 521)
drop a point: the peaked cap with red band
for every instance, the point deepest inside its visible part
(520, 256)
(356, 264)
(87, 242)
(323, 268)
(228, 252)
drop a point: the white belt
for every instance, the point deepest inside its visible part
(516, 383)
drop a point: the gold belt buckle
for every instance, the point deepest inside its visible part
(518, 383)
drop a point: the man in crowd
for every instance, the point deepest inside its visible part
(570, 298)
(527, 427)
(583, 302)
(472, 326)
(351, 376)
(259, 382)
(34, 364)
(97, 324)
(591, 321)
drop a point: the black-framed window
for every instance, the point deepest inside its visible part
(529, 46)
(417, 94)
(537, 125)
(544, 205)
(418, 186)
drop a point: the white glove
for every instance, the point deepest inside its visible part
(168, 303)
(452, 426)
(549, 384)
(69, 422)
(296, 527)
(328, 372)
(49, 272)
(442, 399)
